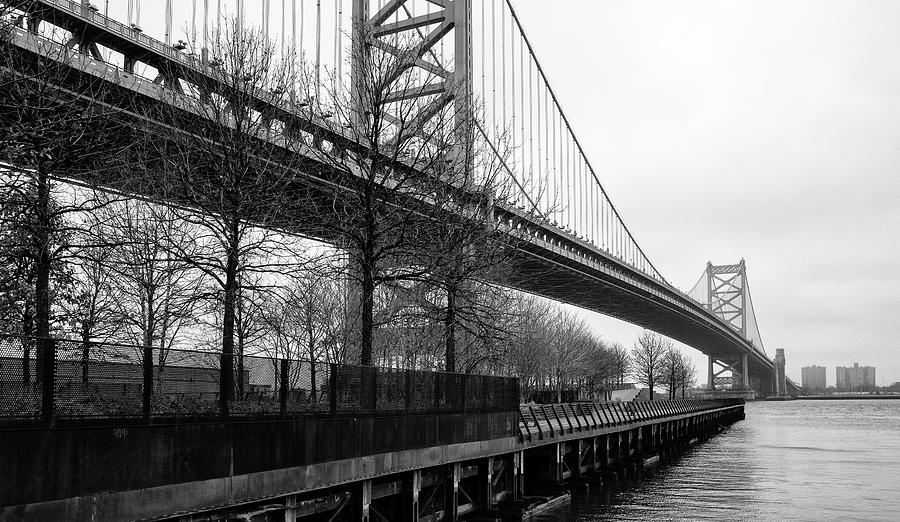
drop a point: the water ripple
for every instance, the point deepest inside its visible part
(799, 460)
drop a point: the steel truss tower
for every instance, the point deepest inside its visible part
(439, 86)
(728, 300)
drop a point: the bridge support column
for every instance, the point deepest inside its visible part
(360, 500)
(518, 475)
(579, 457)
(559, 456)
(711, 383)
(489, 483)
(290, 508)
(451, 500)
(780, 378)
(745, 370)
(608, 450)
(410, 502)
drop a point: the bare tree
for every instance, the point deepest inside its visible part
(601, 371)
(156, 290)
(647, 358)
(669, 373)
(686, 375)
(621, 362)
(678, 372)
(233, 169)
(91, 307)
(301, 315)
(48, 132)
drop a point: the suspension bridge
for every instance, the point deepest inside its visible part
(469, 56)
(410, 445)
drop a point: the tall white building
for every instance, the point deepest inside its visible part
(813, 377)
(855, 378)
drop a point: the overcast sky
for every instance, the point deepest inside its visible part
(763, 130)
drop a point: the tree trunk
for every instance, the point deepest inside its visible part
(27, 341)
(147, 355)
(240, 368)
(311, 350)
(450, 331)
(226, 382)
(367, 317)
(313, 386)
(367, 266)
(85, 357)
(163, 350)
(46, 359)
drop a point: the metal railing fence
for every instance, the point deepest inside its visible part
(106, 380)
(539, 421)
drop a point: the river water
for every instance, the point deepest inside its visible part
(795, 460)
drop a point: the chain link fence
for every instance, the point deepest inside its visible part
(106, 380)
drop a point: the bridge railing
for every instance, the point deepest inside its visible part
(106, 380)
(542, 421)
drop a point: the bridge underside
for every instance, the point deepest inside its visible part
(559, 277)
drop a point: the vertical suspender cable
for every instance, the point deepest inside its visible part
(265, 15)
(542, 140)
(239, 25)
(205, 27)
(318, 44)
(564, 161)
(522, 106)
(512, 97)
(531, 134)
(551, 150)
(503, 59)
(168, 15)
(337, 34)
(193, 24)
(542, 170)
(296, 45)
(481, 42)
(218, 20)
(494, 65)
(293, 50)
(613, 210)
(339, 43)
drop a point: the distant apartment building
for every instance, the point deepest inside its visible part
(813, 377)
(855, 378)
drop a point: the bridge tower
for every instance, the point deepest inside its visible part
(438, 85)
(780, 378)
(724, 291)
